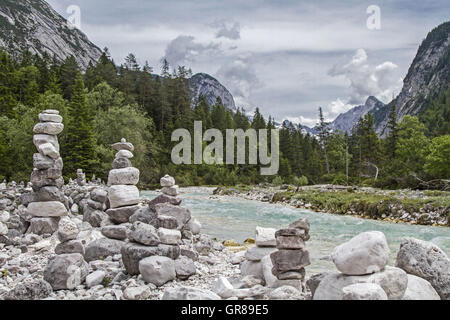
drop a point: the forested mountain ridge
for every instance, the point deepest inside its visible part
(33, 25)
(427, 78)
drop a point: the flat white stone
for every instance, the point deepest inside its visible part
(167, 181)
(169, 236)
(48, 117)
(47, 209)
(170, 191)
(128, 176)
(39, 139)
(48, 128)
(265, 237)
(124, 154)
(123, 195)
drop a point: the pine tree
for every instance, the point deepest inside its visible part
(79, 145)
(324, 133)
(391, 141)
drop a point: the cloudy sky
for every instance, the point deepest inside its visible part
(287, 57)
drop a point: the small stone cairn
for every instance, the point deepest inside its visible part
(291, 258)
(48, 202)
(81, 178)
(155, 237)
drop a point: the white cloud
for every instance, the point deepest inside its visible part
(184, 49)
(239, 77)
(367, 80)
(337, 107)
(227, 30)
(310, 122)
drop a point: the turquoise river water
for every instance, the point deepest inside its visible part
(226, 217)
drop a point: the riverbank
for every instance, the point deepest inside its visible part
(407, 206)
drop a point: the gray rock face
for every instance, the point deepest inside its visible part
(128, 176)
(363, 291)
(31, 289)
(419, 289)
(426, 260)
(43, 225)
(157, 270)
(144, 234)
(49, 193)
(207, 86)
(66, 271)
(366, 253)
(35, 23)
(182, 215)
(47, 149)
(103, 248)
(122, 195)
(133, 253)
(42, 162)
(166, 222)
(184, 268)
(189, 293)
(122, 215)
(50, 117)
(115, 232)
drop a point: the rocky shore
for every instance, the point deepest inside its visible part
(408, 206)
(89, 241)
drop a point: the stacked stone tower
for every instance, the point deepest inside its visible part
(123, 178)
(48, 201)
(291, 258)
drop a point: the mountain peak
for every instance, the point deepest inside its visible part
(33, 25)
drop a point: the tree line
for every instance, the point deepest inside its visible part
(105, 103)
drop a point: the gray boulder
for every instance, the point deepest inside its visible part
(66, 271)
(144, 234)
(285, 293)
(118, 232)
(426, 260)
(145, 215)
(366, 253)
(184, 268)
(30, 289)
(419, 289)
(157, 270)
(164, 198)
(257, 253)
(71, 246)
(182, 215)
(42, 226)
(123, 214)
(102, 248)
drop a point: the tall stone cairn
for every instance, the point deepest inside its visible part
(291, 258)
(123, 178)
(48, 201)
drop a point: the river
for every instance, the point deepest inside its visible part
(225, 217)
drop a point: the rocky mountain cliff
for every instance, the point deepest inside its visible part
(34, 25)
(346, 121)
(204, 84)
(428, 76)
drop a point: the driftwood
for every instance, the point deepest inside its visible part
(436, 184)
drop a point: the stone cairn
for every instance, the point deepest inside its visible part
(81, 177)
(279, 257)
(48, 202)
(291, 258)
